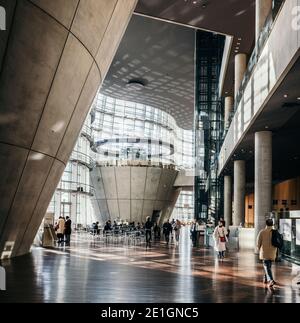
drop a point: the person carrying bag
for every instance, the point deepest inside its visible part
(220, 237)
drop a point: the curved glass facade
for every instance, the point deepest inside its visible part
(120, 131)
(130, 131)
(184, 208)
(73, 194)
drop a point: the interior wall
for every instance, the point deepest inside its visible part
(249, 210)
(286, 195)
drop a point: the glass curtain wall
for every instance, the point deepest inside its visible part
(184, 209)
(72, 196)
(114, 131)
(125, 131)
(130, 131)
(209, 126)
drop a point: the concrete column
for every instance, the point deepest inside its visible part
(227, 200)
(228, 110)
(263, 8)
(240, 65)
(56, 56)
(74, 202)
(263, 179)
(239, 188)
(57, 204)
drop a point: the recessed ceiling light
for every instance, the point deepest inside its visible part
(136, 85)
(285, 95)
(266, 127)
(298, 98)
(239, 38)
(236, 51)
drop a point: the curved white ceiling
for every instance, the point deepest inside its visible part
(160, 55)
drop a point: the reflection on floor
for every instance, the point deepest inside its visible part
(89, 271)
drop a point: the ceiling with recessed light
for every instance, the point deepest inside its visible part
(157, 55)
(154, 65)
(230, 17)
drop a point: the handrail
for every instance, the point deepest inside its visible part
(116, 163)
(264, 35)
(72, 187)
(86, 131)
(82, 158)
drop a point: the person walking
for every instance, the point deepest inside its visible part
(148, 228)
(194, 233)
(68, 231)
(156, 230)
(267, 252)
(107, 227)
(173, 223)
(167, 230)
(220, 237)
(177, 229)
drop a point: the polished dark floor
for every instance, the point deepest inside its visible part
(93, 272)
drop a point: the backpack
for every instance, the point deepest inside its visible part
(277, 239)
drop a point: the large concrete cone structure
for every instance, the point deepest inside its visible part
(131, 193)
(53, 57)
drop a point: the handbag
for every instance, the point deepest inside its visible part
(222, 239)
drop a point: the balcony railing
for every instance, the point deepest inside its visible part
(141, 163)
(264, 35)
(82, 158)
(75, 187)
(275, 55)
(87, 132)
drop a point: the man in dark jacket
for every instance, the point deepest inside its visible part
(156, 231)
(148, 227)
(194, 233)
(167, 230)
(68, 231)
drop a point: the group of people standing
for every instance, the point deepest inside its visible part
(171, 230)
(63, 228)
(168, 228)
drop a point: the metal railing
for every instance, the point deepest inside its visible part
(263, 37)
(82, 158)
(140, 163)
(72, 187)
(87, 132)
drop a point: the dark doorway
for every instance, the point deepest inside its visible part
(155, 215)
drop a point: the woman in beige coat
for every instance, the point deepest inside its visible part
(60, 229)
(267, 252)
